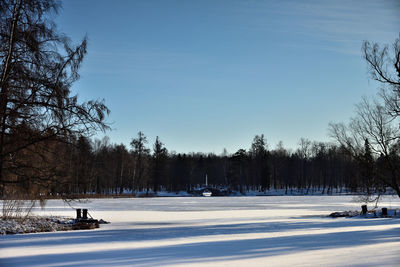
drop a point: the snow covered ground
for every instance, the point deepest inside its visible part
(231, 231)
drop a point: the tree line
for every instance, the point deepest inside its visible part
(45, 132)
(100, 167)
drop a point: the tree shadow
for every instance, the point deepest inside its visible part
(199, 252)
(159, 231)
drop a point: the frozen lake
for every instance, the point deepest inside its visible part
(234, 231)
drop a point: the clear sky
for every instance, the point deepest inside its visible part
(208, 75)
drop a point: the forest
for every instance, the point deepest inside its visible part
(47, 149)
(87, 167)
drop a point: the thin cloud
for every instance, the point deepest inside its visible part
(342, 24)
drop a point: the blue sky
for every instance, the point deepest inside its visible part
(208, 75)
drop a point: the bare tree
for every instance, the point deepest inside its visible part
(377, 119)
(38, 66)
(384, 67)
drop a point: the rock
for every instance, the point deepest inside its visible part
(344, 214)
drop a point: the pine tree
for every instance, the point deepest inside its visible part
(140, 154)
(367, 167)
(160, 155)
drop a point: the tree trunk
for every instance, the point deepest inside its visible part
(4, 90)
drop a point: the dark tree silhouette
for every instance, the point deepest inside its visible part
(140, 154)
(384, 67)
(159, 160)
(367, 167)
(38, 66)
(378, 119)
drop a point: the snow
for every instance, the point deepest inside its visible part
(35, 224)
(215, 231)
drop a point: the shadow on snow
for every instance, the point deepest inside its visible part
(200, 251)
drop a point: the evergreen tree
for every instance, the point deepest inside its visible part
(260, 172)
(140, 154)
(160, 155)
(367, 167)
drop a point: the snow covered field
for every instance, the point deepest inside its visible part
(231, 231)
